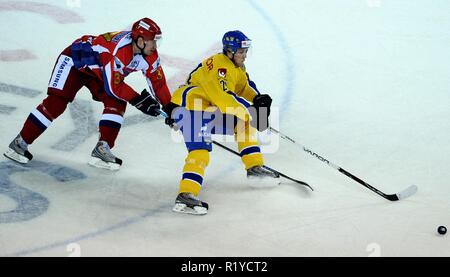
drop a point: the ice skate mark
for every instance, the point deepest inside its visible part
(6, 88)
(30, 204)
(6, 109)
(16, 90)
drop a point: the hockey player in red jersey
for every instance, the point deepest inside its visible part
(101, 64)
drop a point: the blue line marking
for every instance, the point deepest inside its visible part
(290, 65)
(91, 235)
(29, 203)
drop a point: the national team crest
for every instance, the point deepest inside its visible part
(222, 72)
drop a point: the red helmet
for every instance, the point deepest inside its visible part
(145, 28)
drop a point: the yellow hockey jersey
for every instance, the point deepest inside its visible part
(217, 82)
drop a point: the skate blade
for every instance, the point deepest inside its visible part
(183, 208)
(13, 155)
(96, 162)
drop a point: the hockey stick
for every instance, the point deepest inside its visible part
(162, 113)
(266, 167)
(392, 197)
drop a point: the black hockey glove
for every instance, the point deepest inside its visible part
(168, 110)
(262, 100)
(146, 103)
(260, 111)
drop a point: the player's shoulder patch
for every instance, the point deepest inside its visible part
(222, 72)
(117, 36)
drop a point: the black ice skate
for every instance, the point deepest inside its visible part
(261, 172)
(189, 204)
(260, 177)
(103, 158)
(18, 151)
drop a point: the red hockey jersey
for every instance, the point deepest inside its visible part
(110, 58)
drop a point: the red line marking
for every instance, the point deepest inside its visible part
(185, 66)
(60, 15)
(16, 55)
(176, 62)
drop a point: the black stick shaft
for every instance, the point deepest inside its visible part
(348, 174)
(391, 197)
(271, 169)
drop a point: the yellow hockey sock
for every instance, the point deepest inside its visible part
(193, 171)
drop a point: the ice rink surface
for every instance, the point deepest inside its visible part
(365, 83)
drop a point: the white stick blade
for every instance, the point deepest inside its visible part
(407, 192)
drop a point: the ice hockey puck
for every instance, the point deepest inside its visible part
(442, 230)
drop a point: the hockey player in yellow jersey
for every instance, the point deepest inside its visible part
(219, 98)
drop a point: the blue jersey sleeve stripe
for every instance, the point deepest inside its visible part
(184, 96)
(240, 100)
(192, 72)
(253, 86)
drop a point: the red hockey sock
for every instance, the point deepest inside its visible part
(41, 118)
(109, 125)
(109, 134)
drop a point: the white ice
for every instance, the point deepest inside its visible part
(364, 83)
